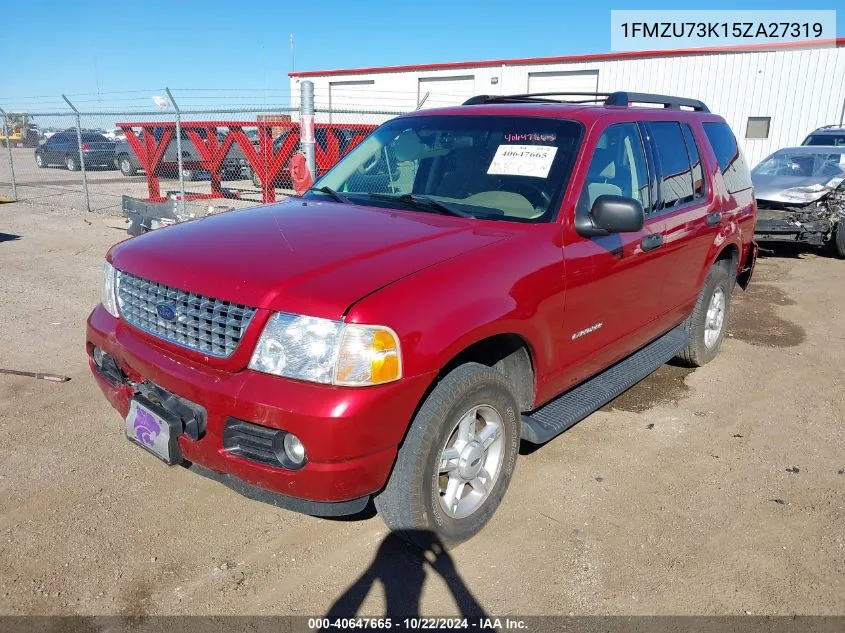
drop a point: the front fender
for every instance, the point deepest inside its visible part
(444, 309)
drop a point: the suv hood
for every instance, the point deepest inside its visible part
(303, 256)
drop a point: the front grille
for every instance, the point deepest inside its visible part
(201, 323)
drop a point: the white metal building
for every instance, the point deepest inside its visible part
(772, 97)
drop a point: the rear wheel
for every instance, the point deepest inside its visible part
(188, 174)
(256, 181)
(707, 324)
(71, 163)
(457, 460)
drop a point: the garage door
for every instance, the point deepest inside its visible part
(566, 81)
(446, 91)
(351, 95)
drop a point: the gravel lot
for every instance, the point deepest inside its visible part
(59, 188)
(717, 491)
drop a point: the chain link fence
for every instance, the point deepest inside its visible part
(199, 150)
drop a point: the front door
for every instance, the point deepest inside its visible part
(615, 282)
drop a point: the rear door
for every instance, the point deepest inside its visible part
(688, 210)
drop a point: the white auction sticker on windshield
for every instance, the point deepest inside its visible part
(523, 160)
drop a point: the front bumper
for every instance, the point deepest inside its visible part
(351, 435)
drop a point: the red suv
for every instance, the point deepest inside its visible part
(464, 279)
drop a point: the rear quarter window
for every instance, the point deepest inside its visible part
(731, 161)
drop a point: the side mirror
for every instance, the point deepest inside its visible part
(612, 214)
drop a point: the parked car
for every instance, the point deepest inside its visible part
(827, 135)
(62, 148)
(127, 161)
(465, 278)
(801, 196)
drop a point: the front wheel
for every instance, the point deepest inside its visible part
(124, 163)
(39, 160)
(457, 460)
(840, 238)
(707, 324)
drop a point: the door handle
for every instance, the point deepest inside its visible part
(714, 218)
(650, 242)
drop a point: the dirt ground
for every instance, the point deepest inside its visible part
(716, 491)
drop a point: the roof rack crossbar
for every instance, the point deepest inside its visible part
(619, 98)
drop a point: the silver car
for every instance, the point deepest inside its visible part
(800, 195)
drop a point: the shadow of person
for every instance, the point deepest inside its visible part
(401, 569)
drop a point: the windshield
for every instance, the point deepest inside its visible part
(837, 140)
(802, 165)
(492, 167)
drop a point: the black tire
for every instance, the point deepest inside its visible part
(126, 166)
(187, 174)
(410, 503)
(71, 162)
(840, 238)
(39, 160)
(256, 181)
(722, 277)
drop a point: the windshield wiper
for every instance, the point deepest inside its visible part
(422, 202)
(337, 197)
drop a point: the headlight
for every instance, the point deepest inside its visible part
(109, 284)
(325, 351)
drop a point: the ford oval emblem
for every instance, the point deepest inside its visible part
(166, 311)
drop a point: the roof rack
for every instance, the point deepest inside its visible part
(833, 126)
(620, 98)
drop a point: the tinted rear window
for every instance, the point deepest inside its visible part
(676, 178)
(731, 161)
(695, 161)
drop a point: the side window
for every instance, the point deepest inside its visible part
(618, 167)
(695, 161)
(731, 161)
(676, 187)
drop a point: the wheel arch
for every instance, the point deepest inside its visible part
(510, 353)
(725, 248)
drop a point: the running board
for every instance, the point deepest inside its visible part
(576, 404)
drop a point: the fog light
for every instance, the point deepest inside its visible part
(294, 449)
(97, 355)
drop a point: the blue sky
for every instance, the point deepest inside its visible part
(90, 47)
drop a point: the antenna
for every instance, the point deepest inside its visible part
(292, 58)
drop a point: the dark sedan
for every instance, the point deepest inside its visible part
(63, 149)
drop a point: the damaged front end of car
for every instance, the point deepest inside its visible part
(813, 223)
